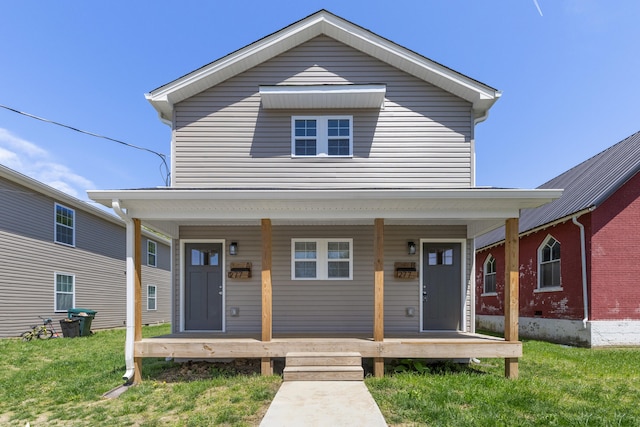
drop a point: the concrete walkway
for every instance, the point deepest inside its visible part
(323, 403)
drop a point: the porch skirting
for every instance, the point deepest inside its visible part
(434, 346)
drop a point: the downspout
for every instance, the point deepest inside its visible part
(583, 253)
(130, 305)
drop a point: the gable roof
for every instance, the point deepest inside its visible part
(586, 186)
(68, 200)
(481, 96)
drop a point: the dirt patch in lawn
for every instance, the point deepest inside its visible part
(199, 370)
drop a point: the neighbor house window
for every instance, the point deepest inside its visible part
(322, 259)
(490, 275)
(322, 136)
(65, 291)
(152, 253)
(549, 264)
(152, 298)
(65, 225)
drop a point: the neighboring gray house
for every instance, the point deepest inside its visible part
(323, 185)
(58, 252)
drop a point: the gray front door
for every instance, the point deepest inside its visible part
(203, 287)
(441, 286)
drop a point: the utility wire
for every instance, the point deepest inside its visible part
(162, 156)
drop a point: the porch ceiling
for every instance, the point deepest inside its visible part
(481, 209)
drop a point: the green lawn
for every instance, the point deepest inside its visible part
(61, 382)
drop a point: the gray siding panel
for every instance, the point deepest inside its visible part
(29, 259)
(223, 138)
(321, 306)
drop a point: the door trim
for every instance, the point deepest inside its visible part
(463, 268)
(183, 243)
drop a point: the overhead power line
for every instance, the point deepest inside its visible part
(162, 156)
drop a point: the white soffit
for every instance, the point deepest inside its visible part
(323, 96)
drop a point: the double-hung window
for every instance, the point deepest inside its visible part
(152, 253)
(152, 298)
(322, 136)
(549, 264)
(321, 259)
(65, 225)
(64, 291)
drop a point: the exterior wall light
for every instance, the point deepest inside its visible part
(412, 248)
(233, 248)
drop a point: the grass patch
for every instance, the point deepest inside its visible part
(558, 386)
(60, 382)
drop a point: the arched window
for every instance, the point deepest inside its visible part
(549, 264)
(490, 275)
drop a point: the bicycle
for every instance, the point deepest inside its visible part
(42, 332)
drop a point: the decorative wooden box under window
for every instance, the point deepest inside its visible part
(405, 270)
(239, 270)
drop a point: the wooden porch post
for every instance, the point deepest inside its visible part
(267, 294)
(378, 295)
(511, 289)
(137, 262)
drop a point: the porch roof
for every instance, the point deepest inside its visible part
(480, 209)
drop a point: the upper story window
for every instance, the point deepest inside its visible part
(322, 259)
(490, 275)
(65, 225)
(549, 264)
(322, 136)
(152, 253)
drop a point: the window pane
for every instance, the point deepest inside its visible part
(64, 216)
(555, 250)
(305, 128)
(440, 257)
(338, 147)
(490, 282)
(338, 269)
(305, 147)
(338, 127)
(305, 269)
(64, 234)
(305, 250)
(204, 257)
(338, 250)
(64, 301)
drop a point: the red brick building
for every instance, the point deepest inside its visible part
(579, 257)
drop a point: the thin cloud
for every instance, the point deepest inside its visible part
(34, 161)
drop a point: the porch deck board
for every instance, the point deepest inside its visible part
(429, 345)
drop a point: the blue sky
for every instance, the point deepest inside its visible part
(570, 77)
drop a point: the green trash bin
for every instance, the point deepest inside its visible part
(85, 316)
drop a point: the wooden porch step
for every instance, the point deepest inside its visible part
(316, 366)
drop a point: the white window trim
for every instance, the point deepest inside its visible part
(322, 260)
(55, 291)
(322, 138)
(154, 253)
(484, 277)
(541, 288)
(55, 225)
(155, 297)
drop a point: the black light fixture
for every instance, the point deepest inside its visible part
(412, 248)
(233, 248)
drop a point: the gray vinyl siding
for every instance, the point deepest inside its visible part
(325, 305)
(29, 260)
(422, 137)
